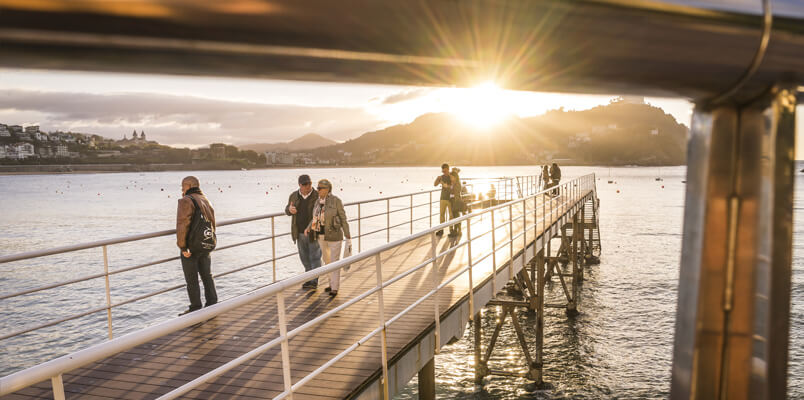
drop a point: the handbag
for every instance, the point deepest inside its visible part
(347, 252)
(201, 237)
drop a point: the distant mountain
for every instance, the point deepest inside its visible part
(307, 142)
(620, 133)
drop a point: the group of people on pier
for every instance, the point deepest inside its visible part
(551, 177)
(319, 228)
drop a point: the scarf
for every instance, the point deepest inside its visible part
(193, 190)
(318, 215)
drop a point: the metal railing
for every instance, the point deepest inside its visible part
(375, 222)
(543, 209)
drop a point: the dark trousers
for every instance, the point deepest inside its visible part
(199, 264)
(456, 212)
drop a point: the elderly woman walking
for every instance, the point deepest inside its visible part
(330, 226)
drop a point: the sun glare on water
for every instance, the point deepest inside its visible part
(482, 106)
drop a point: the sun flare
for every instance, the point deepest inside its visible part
(482, 106)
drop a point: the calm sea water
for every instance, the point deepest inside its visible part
(619, 346)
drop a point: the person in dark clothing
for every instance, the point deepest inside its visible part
(445, 205)
(555, 176)
(300, 208)
(456, 200)
(194, 265)
(546, 177)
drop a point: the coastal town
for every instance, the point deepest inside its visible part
(624, 132)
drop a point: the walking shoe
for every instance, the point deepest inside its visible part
(439, 233)
(333, 293)
(328, 289)
(187, 311)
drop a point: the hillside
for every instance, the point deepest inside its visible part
(304, 143)
(619, 133)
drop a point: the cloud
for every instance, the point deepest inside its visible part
(406, 95)
(181, 120)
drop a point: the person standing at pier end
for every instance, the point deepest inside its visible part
(197, 262)
(555, 175)
(546, 177)
(330, 225)
(300, 208)
(445, 205)
(456, 200)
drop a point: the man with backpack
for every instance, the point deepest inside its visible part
(300, 208)
(195, 236)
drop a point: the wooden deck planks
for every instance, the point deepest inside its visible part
(155, 368)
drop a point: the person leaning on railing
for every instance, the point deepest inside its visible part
(329, 226)
(199, 263)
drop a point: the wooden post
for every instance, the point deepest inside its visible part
(478, 351)
(572, 305)
(539, 359)
(427, 382)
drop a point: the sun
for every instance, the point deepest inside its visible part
(482, 106)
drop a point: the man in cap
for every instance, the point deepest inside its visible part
(300, 208)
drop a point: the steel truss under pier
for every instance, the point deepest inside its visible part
(579, 247)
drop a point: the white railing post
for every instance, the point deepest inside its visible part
(434, 274)
(510, 243)
(469, 254)
(108, 292)
(387, 220)
(58, 387)
(273, 245)
(285, 345)
(359, 234)
(430, 211)
(493, 256)
(381, 315)
(524, 231)
(411, 214)
(544, 218)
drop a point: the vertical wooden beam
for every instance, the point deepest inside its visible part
(539, 358)
(478, 351)
(572, 306)
(427, 381)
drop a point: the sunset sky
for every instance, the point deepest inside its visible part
(192, 111)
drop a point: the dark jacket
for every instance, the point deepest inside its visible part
(184, 215)
(336, 226)
(295, 198)
(555, 173)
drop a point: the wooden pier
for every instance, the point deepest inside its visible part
(387, 336)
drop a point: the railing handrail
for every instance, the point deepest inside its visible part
(150, 235)
(506, 189)
(60, 365)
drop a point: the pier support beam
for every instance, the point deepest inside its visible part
(732, 321)
(572, 305)
(427, 381)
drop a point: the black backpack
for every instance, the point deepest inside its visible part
(201, 238)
